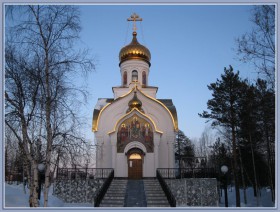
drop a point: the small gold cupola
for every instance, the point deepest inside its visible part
(134, 103)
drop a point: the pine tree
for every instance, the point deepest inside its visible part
(266, 123)
(224, 109)
(184, 149)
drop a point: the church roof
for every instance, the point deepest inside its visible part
(99, 106)
(102, 102)
(171, 107)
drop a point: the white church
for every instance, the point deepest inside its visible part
(134, 131)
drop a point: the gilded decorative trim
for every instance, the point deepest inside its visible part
(173, 116)
(135, 109)
(95, 121)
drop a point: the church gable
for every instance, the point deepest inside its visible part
(116, 109)
(154, 109)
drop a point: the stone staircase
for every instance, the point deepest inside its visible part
(155, 197)
(115, 195)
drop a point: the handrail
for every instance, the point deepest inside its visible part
(101, 193)
(165, 188)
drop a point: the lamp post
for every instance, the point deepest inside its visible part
(41, 169)
(224, 170)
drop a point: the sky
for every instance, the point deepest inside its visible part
(190, 45)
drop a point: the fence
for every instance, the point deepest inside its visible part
(188, 173)
(13, 177)
(82, 173)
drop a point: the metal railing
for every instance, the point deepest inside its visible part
(188, 173)
(166, 189)
(82, 173)
(101, 193)
(13, 177)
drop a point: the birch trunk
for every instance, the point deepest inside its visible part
(49, 127)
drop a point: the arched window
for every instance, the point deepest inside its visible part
(134, 76)
(135, 156)
(144, 79)
(125, 78)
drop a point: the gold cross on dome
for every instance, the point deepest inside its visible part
(134, 17)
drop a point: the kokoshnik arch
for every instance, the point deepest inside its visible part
(134, 131)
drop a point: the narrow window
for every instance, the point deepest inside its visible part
(134, 76)
(144, 80)
(125, 78)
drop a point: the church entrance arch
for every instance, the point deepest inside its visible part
(135, 158)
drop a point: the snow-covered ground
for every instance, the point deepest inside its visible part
(15, 197)
(264, 199)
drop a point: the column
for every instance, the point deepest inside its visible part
(156, 153)
(113, 139)
(99, 151)
(171, 153)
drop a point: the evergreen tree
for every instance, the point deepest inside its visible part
(184, 148)
(219, 155)
(266, 123)
(224, 109)
(248, 135)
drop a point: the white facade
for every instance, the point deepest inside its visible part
(134, 122)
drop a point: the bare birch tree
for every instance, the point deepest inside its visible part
(258, 46)
(46, 35)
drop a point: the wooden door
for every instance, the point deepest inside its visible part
(135, 168)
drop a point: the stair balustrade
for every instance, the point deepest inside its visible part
(166, 189)
(100, 195)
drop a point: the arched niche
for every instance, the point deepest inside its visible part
(135, 129)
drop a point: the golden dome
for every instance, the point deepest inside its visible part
(135, 50)
(135, 103)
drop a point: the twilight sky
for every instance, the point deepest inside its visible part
(190, 46)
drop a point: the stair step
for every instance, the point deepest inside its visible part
(114, 197)
(116, 190)
(115, 194)
(154, 192)
(158, 202)
(111, 205)
(112, 201)
(119, 184)
(158, 205)
(155, 195)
